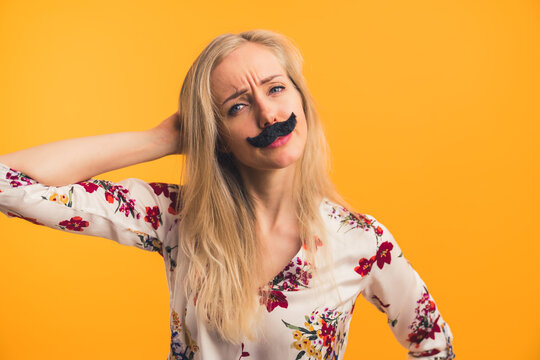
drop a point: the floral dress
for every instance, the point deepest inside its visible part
(302, 321)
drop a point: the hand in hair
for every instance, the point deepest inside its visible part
(168, 131)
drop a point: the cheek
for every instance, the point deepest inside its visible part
(235, 138)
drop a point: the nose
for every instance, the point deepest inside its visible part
(267, 113)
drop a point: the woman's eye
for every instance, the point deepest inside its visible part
(234, 109)
(237, 107)
(281, 88)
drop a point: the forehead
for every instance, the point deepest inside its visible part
(244, 67)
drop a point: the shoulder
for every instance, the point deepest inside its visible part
(361, 238)
(347, 220)
(356, 229)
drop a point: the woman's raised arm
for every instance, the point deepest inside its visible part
(73, 160)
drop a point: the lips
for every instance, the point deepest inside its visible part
(282, 140)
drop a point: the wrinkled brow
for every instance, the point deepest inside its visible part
(243, 91)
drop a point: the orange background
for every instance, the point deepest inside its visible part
(431, 111)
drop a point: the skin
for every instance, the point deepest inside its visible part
(69, 161)
(267, 173)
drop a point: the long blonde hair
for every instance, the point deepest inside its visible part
(217, 230)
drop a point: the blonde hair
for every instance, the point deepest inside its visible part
(217, 230)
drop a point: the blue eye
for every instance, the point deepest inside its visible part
(234, 109)
(278, 87)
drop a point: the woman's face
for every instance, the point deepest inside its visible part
(253, 91)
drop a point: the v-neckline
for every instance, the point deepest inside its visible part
(300, 254)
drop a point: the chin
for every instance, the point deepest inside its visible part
(285, 160)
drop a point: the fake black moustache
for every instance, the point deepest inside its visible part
(271, 133)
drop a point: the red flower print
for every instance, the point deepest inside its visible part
(295, 276)
(322, 336)
(434, 329)
(380, 302)
(173, 207)
(378, 231)
(364, 266)
(90, 187)
(351, 220)
(109, 197)
(160, 188)
(163, 188)
(153, 216)
(244, 353)
(32, 220)
(328, 332)
(75, 223)
(383, 254)
(318, 243)
(428, 353)
(423, 326)
(431, 306)
(363, 218)
(417, 336)
(275, 299)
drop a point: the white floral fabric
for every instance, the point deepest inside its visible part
(302, 321)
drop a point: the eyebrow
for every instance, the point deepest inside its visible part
(243, 91)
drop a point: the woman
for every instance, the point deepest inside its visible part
(256, 202)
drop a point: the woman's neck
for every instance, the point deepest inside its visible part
(272, 194)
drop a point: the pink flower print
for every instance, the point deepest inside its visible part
(15, 184)
(384, 255)
(304, 277)
(75, 224)
(118, 189)
(153, 216)
(18, 178)
(90, 187)
(128, 207)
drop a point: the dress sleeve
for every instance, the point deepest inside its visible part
(130, 212)
(397, 290)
